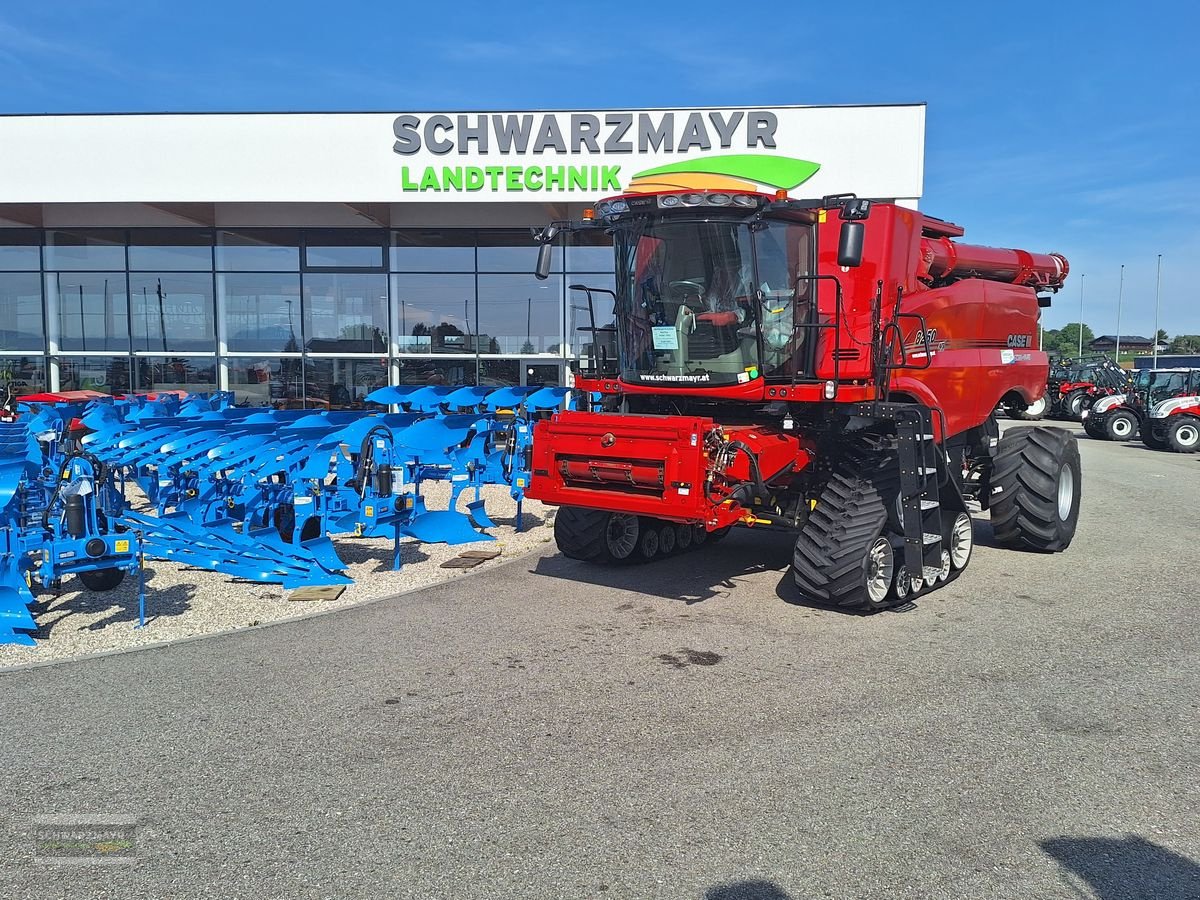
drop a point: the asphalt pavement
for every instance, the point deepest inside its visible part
(685, 729)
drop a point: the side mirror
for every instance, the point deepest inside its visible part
(545, 255)
(850, 244)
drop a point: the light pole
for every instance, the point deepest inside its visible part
(1081, 277)
(1120, 294)
(1157, 297)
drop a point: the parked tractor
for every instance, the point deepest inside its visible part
(1120, 417)
(1172, 412)
(1074, 385)
(825, 368)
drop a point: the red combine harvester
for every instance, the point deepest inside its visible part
(828, 368)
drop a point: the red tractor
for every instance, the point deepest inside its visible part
(1119, 417)
(1173, 422)
(1076, 384)
(827, 368)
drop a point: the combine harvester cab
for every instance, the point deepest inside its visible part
(828, 368)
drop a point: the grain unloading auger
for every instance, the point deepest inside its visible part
(827, 368)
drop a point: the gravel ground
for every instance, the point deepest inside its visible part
(182, 601)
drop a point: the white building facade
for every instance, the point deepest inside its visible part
(303, 259)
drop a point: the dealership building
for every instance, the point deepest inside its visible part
(307, 258)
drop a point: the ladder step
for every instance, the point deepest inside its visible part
(927, 470)
(929, 504)
(930, 537)
(930, 573)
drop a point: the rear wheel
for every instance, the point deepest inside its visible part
(1183, 434)
(1035, 489)
(102, 579)
(1153, 439)
(1074, 405)
(1034, 411)
(843, 557)
(1121, 425)
(1096, 426)
(594, 535)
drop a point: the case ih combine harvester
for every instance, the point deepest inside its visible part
(1156, 405)
(825, 368)
(249, 492)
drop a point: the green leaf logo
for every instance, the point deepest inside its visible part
(776, 171)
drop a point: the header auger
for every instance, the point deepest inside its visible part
(828, 368)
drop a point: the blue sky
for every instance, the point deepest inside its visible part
(1051, 126)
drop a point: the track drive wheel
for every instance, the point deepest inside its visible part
(100, 580)
(1035, 489)
(1122, 425)
(843, 556)
(594, 535)
(648, 544)
(683, 537)
(1183, 434)
(666, 539)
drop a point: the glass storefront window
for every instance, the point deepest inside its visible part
(20, 250)
(520, 314)
(435, 313)
(175, 373)
(499, 372)
(433, 250)
(106, 374)
(437, 371)
(262, 312)
(258, 250)
(267, 381)
(543, 374)
(20, 375)
(589, 251)
(345, 313)
(513, 250)
(93, 310)
(21, 326)
(343, 383)
(343, 248)
(172, 312)
(91, 249)
(171, 250)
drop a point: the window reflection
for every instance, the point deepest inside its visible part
(20, 250)
(106, 374)
(435, 313)
(344, 248)
(513, 250)
(172, 312)
(520, 314)
(262, 312)
(92, 311)
(21, 325)
(343, 383)
(22, 375)
(102, 249)
(171, 249)
(175, 373)
(267, 381)
(433, 250)
(437, 371)
(345, 313)
(259, 250)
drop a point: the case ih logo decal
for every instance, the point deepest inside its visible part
(1022, 341)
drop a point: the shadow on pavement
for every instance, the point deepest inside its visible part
(747, 890)
(1128, 868)
(692, 577)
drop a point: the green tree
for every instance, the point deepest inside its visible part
(1163, 337)
(1066, 339)
(1185, 343)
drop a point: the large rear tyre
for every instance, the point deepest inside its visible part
(101, 580)
(1152, 438)
(843, 557)
(1183, 434)
(1033, 412)
(1074, 405)
(1121, 425)
(593, 535)
(1035, 489)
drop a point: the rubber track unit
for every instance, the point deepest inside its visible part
(829, 563)
(1026, 468)
(581, 533)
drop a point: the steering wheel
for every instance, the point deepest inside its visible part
(684, 288)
